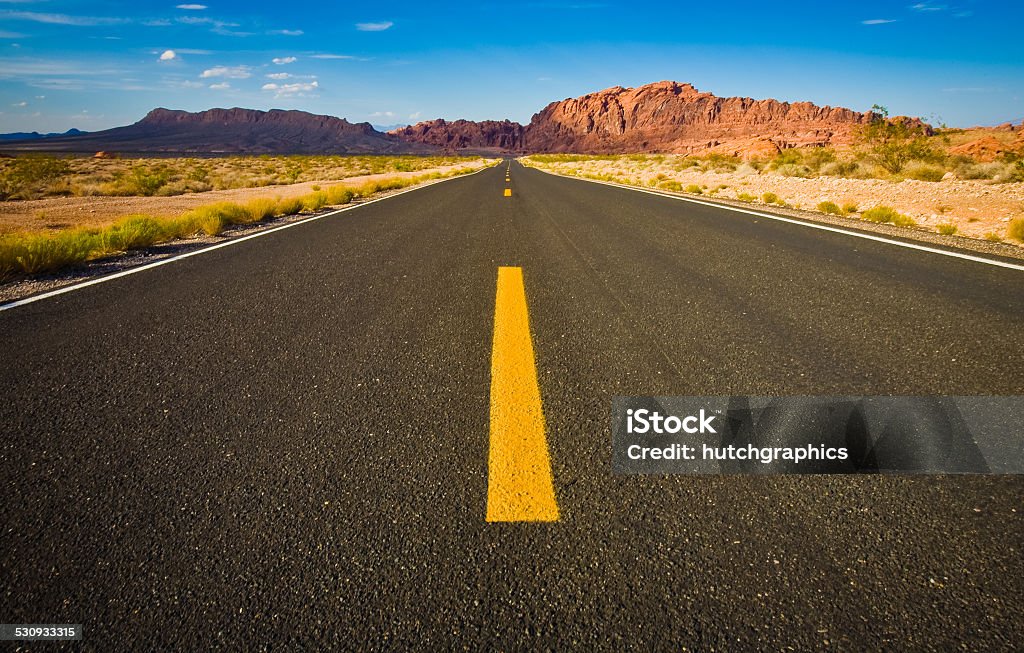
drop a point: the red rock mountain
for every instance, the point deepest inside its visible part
(465, 134)
(241, 131)
(659, 117)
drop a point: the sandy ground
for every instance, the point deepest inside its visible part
(976, 208)
(62, 212)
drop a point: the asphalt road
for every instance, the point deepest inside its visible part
(283, 443)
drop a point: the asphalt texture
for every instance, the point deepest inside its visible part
(283, 443)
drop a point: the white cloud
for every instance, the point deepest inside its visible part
(168, 55)
(279, 76)
(191, 7)
(415, 116)
(230, 72)
(287, 32)
(298, 89)
(62, 19)
(374, 27)
(220, 86)
(280, 61)
(332, 56)
(382, 114)
(877, 21)
(924, 6)
(20, 104)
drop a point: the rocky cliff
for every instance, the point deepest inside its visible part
(659, 117)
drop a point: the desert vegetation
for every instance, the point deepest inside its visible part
(38, 176)
(28, 253)
(896, 172)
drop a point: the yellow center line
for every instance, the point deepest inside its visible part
(508, 192)
(519, 482)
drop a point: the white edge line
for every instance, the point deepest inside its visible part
(805, 223)
(232, 241)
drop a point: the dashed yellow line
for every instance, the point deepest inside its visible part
(519, 481)
(508, 192)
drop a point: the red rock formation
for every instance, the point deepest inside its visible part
(659, 117)
(465, 134)
(987, 148)
(672, 117)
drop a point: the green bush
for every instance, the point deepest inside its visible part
(133, 232)
(144, 181)
(849, 207)
(1016, 229)
(745, 197)
(886, 214)
(894, 143)
(794, 170)
(830, 207)
(671, 184)
(769, 198)
(694, 189)
(923, 172)
(990, 236)
(946, 229)
(840, 168)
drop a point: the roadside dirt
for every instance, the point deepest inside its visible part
(63, 212)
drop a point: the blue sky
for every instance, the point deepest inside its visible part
(100, 64)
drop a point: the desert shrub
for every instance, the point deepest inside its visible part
(671, 184)
(970, 170)
(990, 236)
(36, 253)
(260, 209)
(133, 232)
(794, 170)
(923, 172)
(1015, 229)
(339, 195)
(144, 181)
(25, 177)
(887, 214)
(849, 207)
(946, 228)
(839, 168)
(314, 201)
(721, 163)
(694, 189)
(289, 206)
(892, 144)
(1016, 173)
(745, 197)
(769, 198)
(830, 207)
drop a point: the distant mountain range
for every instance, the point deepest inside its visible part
(31, 136)
(659, 117)
(231, 131)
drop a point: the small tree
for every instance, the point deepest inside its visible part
(892, 143)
